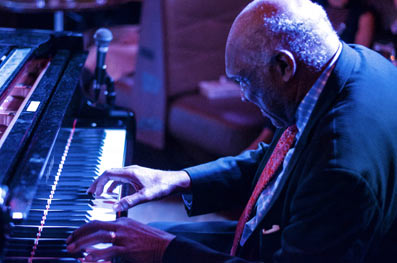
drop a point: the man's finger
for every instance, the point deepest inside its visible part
(86, 241)
(103, 254)
(99, 183)
(92, 187)
(129, 201)
(115, 174)
(90, 228)
(113, 186)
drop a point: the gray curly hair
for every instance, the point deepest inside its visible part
(303, 29)
(303, 34)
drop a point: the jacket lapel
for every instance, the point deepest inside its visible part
(337, 80)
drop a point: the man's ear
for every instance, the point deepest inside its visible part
(285, 64)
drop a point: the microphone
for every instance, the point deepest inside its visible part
(102, 38)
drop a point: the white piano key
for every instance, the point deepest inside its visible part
(113, 150)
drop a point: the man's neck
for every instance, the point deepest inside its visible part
(309, 77)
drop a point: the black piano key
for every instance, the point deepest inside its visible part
(82, 170)
(59, 195)
(64, 222)
(74, 206)
(81, 184)
(57, 213)
(47, 232)
(54, 251)
(19, 246)
(73, 183)
(23, 252)
(55, 216)
(77, 177)
(44, 202)
(63, 189)
(76, 210)
(72, 177)
(14, 242)
(45, 248)
(24, 232)
(70, 174)
(72, 222)
(51, 218)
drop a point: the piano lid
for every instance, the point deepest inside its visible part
(26, 146)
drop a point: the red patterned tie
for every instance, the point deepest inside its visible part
(283, 145)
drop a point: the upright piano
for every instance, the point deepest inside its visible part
(52, 145)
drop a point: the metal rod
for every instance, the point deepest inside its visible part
(58, 21)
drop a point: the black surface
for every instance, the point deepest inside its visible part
(23, 38)
(16, 141)
(35, 38)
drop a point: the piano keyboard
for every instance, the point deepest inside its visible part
(73, 168)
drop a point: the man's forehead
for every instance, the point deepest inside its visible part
(249, 36)
(239, 58)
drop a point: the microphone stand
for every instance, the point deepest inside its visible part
(109, 92)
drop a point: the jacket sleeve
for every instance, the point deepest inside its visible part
(336, 225)
(182, 250)
(223, 183)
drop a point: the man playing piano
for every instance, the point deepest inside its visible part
(325, 190)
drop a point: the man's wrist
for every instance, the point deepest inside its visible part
(178, 181)
(183, 181)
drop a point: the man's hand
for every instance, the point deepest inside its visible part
(150, 184)
(132, 241)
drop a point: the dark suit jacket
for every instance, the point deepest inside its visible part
(337, 201)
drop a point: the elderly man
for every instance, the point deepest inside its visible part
(325, 190)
